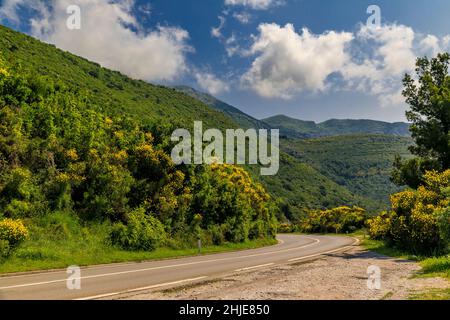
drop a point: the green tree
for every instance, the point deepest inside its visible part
(429, 99)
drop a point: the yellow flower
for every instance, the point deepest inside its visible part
(108, 121)
(121, 155)
(119, 134)
(72, 154)
(13, 231)
(4, 72)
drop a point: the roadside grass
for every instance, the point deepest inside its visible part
(432, 294)
(381, 248)
(59, 241)
(437, 266)
(432, 267)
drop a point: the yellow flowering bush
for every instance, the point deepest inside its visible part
(13, 231)
(379, 226)
(3, 71)
(338, 220)
(225, 195)
(416, 222)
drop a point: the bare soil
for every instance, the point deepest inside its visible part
(340, 276)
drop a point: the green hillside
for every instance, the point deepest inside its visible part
(297, 184)
(360, 163)
(114, 94)
(295, 128)
(111, 91)
(299, 187)
(242, 119)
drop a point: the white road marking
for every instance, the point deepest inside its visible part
(141, 289)
(111, 265)
(316, 241)
(255, 267)
(327, 252)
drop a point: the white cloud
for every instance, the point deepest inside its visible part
(210, 83)
(254, 4)
(446, 42)
(242, 17)
(106, 37)
(371, 60)
(288, 62)
(231, 46)
(388, 56)
(216, 32)
(393, 45)
(430, 45)
(8, 10)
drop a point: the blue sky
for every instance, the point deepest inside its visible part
(309, 59)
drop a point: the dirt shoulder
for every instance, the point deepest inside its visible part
(340, 276)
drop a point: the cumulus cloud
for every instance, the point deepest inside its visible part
(288, 62)
(431, 45)
(371, 60)
(109, 35)
(378, 70)
(254, 4)
(210, 83)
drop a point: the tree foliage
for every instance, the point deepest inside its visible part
(428, 96)
(337, 220)
(419, 219)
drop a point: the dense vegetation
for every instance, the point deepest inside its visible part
(360, 163)
(419, 221)
(429, 100)
(301, 188)
(242, 119)
(294, 128)
(60, 154)
(336, 220)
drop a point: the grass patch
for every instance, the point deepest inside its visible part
(433, 294)
(431, 267)
(438, 266)
(58, 241)
(381, 248)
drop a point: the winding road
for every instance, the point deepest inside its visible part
(109, 281)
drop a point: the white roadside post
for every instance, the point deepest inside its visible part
(199, 245)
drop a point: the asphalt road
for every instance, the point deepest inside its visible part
(109, 281)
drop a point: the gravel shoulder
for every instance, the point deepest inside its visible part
(340, 276)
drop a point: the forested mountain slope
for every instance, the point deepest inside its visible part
(295, 128)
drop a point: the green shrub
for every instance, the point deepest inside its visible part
(13, 231)
(420, 220)
(337, 220)
(444, 224)
(142, 232)
(257, 230)
(5, 249)
(217, 236)
(286, 228)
